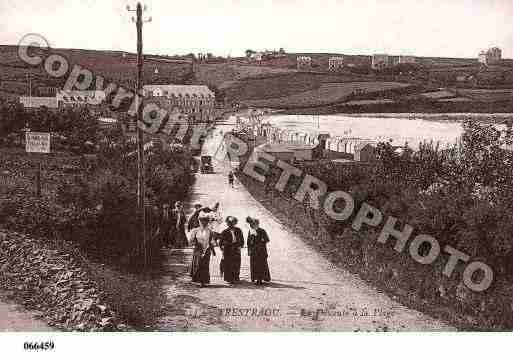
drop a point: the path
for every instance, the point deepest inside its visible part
(15, 319)
(303, 282)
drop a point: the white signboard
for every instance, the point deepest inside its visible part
(37, 142)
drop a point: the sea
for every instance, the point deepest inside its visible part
(400, 129)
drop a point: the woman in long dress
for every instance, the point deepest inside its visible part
(231, 241)
(202, 238)
(257, 251)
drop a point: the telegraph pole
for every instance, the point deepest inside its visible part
(141, 205)
(29, 80)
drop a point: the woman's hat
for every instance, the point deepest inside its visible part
(204, 215)
(231, 220)
(252, 221)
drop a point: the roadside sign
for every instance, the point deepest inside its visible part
(37, 142)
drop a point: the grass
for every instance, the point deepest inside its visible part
(488, 95)
(437, 95)
(327, 93)
(282, 85)
(111, 65)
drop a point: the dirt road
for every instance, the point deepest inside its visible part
(306, 293)
(15, 319)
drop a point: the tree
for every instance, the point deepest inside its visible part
(250, 52)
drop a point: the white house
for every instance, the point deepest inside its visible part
(335, 63)
(490, 56)
(380, 61)
(304, 62)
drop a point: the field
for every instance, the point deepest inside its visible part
(226, 74)
(327, 93)
(278, 86)
(114, 66)
(274, 82)
(488, 95)
(437, 95)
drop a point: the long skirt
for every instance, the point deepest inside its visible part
(200, 268)
(180, 238)
(231, 267)
(259, 268)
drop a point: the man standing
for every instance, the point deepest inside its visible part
(231, 178)
(231, 243)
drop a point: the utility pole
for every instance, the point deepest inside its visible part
(141, 205)
(29, 80)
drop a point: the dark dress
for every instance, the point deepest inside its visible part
(231, 241)
(203, 249)
(194, 221)
(166, 227)
(178, 229)
(257, 251)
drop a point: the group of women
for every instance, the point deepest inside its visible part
(204, 239)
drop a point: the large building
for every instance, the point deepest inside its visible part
(490, 56)
(76, 98)
(64, 98)
(196, 102)
(39, 102)
(380, 61)
(335, 63)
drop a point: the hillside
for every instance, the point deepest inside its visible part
(276, 82)
(115, 66)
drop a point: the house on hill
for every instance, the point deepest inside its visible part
(335, 63)
(380, 61)
(404, 59)
(490, 56)
(304, 62)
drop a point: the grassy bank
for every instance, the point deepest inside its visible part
(87, 212)
(461, 196)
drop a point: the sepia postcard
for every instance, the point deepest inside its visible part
(241, 166)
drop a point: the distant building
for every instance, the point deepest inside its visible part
(257, 56)
(403, 59)
(365, 152)
(335, 63)
(77, 98)
(304, 62)
(380, 61)
(45, 91)
(490, 56)
(196, 102)
(107, 122)
(38, 102)
(356, 149)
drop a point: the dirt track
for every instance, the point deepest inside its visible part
(15, 319)
(306, 293)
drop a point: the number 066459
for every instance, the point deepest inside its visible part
(38, 346)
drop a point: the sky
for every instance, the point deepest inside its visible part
(441, 28)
